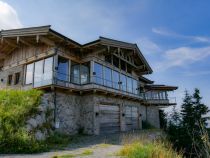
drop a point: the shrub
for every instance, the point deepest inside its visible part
(16, 107)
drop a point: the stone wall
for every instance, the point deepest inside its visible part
(4, 76)
(42, 123)
(77, 113)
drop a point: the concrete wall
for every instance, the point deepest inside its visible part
(153, 116)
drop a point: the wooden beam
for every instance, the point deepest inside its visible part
(25, 42)
(47, 41)
(10, 43)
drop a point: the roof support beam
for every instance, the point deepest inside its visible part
(47, 41)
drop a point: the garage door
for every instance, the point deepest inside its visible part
(131, 116)
(109, 119)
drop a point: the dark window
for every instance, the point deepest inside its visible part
(108, 58)
(129, 68)
(116, 61)
(123, 65)
(17, 78)
(9, 80)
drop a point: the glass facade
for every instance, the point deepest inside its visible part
(123, 80)
(75, 74)
(98, 74)
(107, 77)
(38, 72)
(29, 73)
(63, 69)
(48, 73)
(85, 74)
(115, 79)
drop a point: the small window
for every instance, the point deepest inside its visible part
(9, 80)
(17, 78)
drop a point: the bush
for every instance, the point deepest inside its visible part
(16, 107)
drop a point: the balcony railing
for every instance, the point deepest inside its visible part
(95, 82)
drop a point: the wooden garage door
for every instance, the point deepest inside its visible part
(109, 119)
(131, 116)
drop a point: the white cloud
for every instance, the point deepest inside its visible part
(8, 17)
(165, 32)
(197, 73)
(147, 46)
(182, 56)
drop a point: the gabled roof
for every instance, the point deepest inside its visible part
(31, 31)
(121, 44)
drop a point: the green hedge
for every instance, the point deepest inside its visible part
(16, 107)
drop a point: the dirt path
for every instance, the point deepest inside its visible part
(88, 147)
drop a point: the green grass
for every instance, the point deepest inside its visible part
(86, 152)
(142, 145)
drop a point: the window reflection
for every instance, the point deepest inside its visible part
(63, 69)
(115, 79)
(48, 73)
(38, 72)
(129, 85)
(123, 82)
(107, 77)
(29, 73)
(85, 78)
(98, 71)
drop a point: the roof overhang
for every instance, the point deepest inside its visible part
(160, 87)
(11, 39)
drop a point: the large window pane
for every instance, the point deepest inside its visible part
(129, 84)
(107, 77)
(38, 72)
(115, 79)
(48, 67)
(63, 69)
(123, 82)
(98, 70)
(135, 86)
(84, 74)
(29, 73)
(75, 74)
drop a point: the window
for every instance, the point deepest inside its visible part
(123, 82)
(116, 61)
(75, 73)
(63, 69)
(107, 77)
(129, 85)
(108, 58)
(38, 72)
(115, 79)
(29, 73)
(9, 80)
(123, 65)
(98, 71)
(84, 74)
(48, 72)
(129, 68)
(135, 86)
(17, 78)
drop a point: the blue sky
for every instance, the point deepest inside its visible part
(174, 36)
